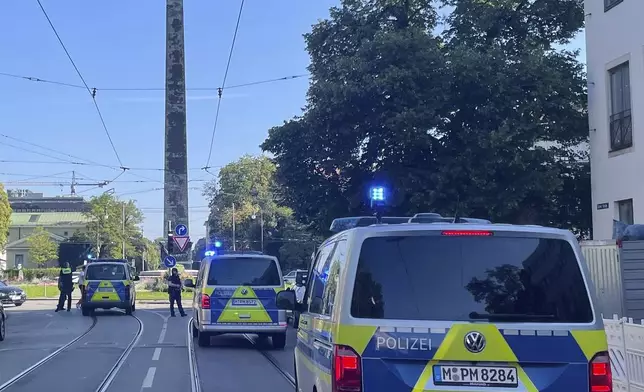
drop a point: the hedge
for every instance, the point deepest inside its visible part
(31, 273)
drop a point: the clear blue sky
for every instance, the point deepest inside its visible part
(121, 44)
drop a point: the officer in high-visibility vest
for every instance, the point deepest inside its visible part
(66, 286)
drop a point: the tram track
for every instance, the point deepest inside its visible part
(69, 346)
(271, 359)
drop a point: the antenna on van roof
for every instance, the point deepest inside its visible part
(458, 203)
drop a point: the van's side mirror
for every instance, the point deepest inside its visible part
(136, 278)
(286, 300)
(189, 283)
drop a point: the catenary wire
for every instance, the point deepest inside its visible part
(89, 90)
(223, 84)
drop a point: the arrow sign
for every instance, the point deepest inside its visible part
(181, 230)
(169, 261)
(181, 241)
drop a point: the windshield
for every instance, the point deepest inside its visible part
(244, 271)
(466, 278)
(105, 272)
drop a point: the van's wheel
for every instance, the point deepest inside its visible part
(3, 328)
(279, 341)
(203, 339)
(134, 306)
(297, 389)
(128, 310)
(86, 312)
(195, 331)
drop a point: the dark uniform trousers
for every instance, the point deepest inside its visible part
(175, 296)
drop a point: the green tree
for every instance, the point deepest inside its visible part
(249, 184)
(5, 217)
(42, 248)
(108, 228)
(488, 118)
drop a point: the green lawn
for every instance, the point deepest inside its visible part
(41, 291)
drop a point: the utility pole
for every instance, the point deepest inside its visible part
(234, 246)
(261, 227)
(175, 193)
(123, 228)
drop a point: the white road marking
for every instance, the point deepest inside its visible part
(149, 378)
(157, 354)
(163, 332)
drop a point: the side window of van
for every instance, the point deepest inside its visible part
(202, 268)
(319, 278)
(336, 261)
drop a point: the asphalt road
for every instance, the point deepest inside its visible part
(146, 352)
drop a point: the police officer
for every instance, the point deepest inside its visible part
(174, 291)
(66, 286)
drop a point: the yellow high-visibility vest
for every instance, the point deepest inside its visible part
(66, 271)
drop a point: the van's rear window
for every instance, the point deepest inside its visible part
(243, 271)
(105, 272)
(466, 278)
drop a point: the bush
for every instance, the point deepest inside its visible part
(30, 274)
(160, 284)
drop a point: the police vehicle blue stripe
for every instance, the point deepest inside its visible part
(550, 349)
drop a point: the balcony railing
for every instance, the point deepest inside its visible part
(621, 130)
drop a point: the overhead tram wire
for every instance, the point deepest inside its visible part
(248, 84)
(223, 86)
(91, 92)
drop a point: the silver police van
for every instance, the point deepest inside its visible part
(431, 305)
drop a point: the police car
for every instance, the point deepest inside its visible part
(235, 292)
(432, 305)
(109, 284)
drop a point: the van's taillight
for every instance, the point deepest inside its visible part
(205, 301)
(347, 370)
(601, 375)
(475, 233)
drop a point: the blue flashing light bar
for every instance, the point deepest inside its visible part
(342, 224)
(107, 261)
(377, 194)
(209, 253)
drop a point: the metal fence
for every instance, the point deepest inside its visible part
(603, 261)
(626, 348)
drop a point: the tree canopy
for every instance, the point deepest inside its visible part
(42, 248)
(487, 117)
(249, 184)
(105, 215)
(5, 217)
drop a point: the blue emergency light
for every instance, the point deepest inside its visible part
(209, 253)
(377, 194)
(218, 244)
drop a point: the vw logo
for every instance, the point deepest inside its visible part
(474, 342)
(244, 291)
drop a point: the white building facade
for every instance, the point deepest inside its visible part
(615, 61)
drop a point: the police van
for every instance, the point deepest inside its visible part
(431, 305)
(109, 284)
(236, 292)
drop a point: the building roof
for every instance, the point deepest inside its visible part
(23, 243)
(48, 219)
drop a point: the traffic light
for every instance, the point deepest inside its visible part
(170, 246)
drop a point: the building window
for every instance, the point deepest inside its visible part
(625, 210)
(19, 260)
(608, 4)
(66, 234)
(621, 129)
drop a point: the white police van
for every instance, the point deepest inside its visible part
(432, 305)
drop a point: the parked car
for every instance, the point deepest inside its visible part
(11, 294)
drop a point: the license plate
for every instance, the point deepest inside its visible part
(244, 302)
(105, 289)
(15, 297)
(476, 376)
